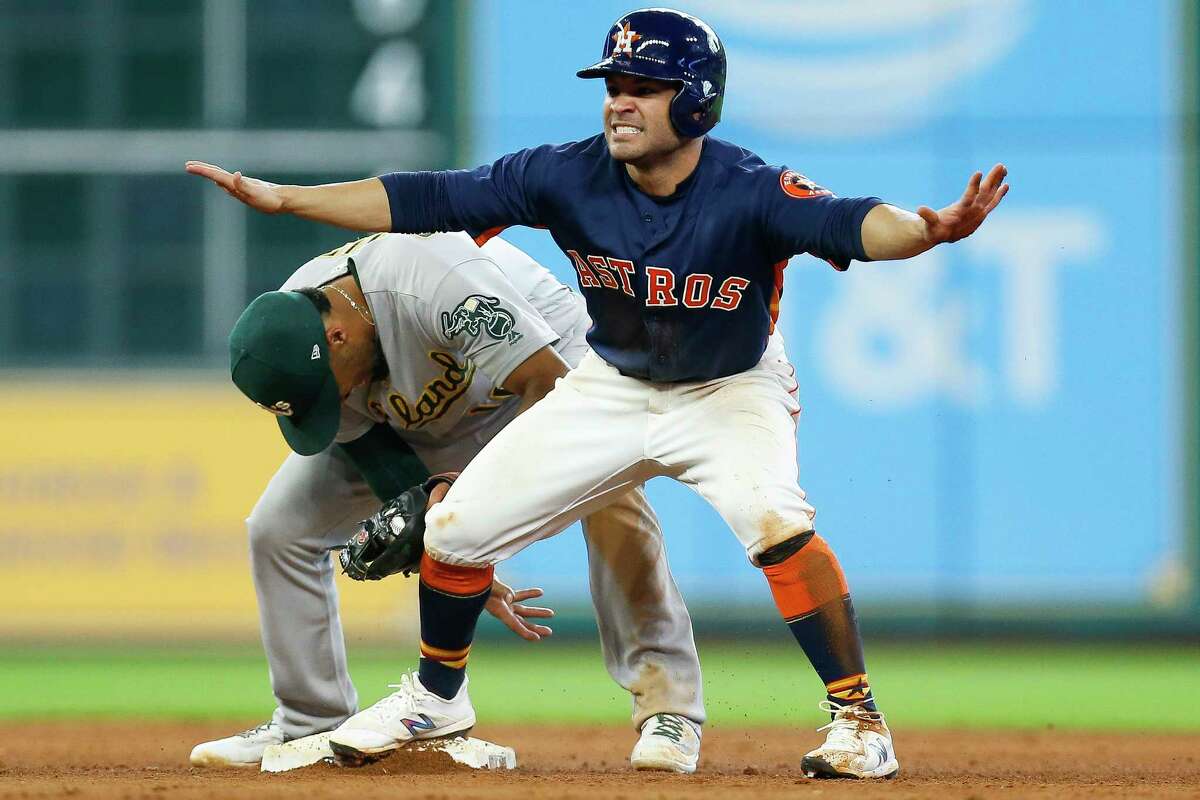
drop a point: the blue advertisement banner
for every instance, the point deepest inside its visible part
(996, 421)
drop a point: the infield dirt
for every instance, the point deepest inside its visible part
(149, 760)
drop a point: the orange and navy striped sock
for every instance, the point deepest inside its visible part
(452, 598)
(851, 690)
(811, 593)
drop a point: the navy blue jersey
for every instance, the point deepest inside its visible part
(679, 288)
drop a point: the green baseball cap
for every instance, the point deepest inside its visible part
(279, 358)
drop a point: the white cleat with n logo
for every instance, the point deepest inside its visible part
(859, 745)
(408, 714)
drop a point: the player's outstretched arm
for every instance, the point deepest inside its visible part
(358, 205)
(889, 232)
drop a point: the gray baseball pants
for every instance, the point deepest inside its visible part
(313, 503)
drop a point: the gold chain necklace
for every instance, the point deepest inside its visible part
(362, 311)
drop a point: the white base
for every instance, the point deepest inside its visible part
(303, 752)
(474, 753)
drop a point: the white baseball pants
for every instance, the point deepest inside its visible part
(599, 433)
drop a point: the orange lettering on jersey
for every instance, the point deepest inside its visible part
(438, 395)
(624, 270)
(660, 287)
(696, 290)
(600, 267)
(587, 279)
(606, 272)
(729, 296)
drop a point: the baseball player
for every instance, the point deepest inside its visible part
(391, 358)
(679, 241)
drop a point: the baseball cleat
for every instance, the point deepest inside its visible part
(408, 714)
(669, 743)
(243, 749)
(859, 745)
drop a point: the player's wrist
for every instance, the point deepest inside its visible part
(289, 198)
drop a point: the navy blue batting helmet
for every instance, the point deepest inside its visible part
(668, 45)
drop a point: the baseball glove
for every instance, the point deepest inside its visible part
(393, 539)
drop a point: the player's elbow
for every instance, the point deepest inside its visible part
(535, 376)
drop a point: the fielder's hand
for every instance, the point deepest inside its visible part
(253, 192)
(961, 219)
(505, 605)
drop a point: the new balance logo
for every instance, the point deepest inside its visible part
(414, 726)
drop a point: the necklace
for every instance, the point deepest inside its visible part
(362, 311)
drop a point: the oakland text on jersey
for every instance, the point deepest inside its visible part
(435, 399)
(696, 290)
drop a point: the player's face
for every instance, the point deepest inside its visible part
(637, 122)
(354, 363)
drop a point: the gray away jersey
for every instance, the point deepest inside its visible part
(454, 320)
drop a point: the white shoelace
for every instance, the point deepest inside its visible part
(845, 726)
(405, 697)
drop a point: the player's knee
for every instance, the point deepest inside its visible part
(459, 536)
(267, 535)
(445, 537)
(778, 553)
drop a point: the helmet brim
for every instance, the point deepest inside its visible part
(607, 66)
(597, 70)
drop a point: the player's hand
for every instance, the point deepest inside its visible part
(437, 493)
(505, 605)
(962, 218)
(255, 193)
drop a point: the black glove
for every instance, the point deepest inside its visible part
(393, 539)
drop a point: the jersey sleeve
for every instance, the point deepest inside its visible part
(386, 462)
(353, 423)
(801, 216)
(477, 311)
(480, 201)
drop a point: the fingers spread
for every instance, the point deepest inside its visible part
(530, 632)
(995, 177)
(539, 631)
(520, 628)
(999, 196)
(972, 188)
(213, 173)
(527, 594)
(533, 611)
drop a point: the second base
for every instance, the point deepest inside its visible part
(468, 751)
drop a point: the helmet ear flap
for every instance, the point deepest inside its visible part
(686, 104)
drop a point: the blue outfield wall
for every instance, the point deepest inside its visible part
(998, 422)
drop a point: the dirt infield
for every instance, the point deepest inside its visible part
(131, 761)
